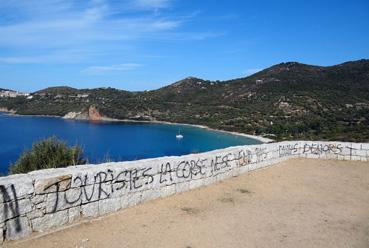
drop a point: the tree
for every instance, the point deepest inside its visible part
(48, 153)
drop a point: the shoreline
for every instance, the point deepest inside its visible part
(107, 119)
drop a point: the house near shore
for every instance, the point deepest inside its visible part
(11, 93)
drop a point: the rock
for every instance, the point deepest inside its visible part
(15, 187)
(74, 214)
(9, 210)
(93, 114)
(50, 220)
(17, 228)
(90, 209)
(47, 185)
(109, 205)
(76, 116)
(1, 235)
(36, 213)
(37, 199)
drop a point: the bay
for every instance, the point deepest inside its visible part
(109, 141)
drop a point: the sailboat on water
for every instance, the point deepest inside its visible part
(179, 135)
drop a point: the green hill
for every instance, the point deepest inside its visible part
(287, 101)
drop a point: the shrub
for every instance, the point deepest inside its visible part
(48, 153)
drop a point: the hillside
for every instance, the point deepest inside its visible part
(287, 101)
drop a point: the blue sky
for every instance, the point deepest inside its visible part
(146, 44)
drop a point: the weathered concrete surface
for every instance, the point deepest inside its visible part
(46, 199)
(298, 203)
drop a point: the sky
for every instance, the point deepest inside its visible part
(146, 44)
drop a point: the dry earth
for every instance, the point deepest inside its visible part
(298, 203)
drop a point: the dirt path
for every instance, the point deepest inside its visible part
(298, 203)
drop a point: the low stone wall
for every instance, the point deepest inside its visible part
(44, 199)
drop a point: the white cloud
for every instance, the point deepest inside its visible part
(23, 60)
(152, 4)
(81, 31)
(70, 25)
(94, 70)
(58, 56)
(34, 31)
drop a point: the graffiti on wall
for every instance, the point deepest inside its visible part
(87, 187)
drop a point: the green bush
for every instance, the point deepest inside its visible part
(48, 153)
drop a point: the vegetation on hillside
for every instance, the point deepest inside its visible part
(48, 153)
(286, 101)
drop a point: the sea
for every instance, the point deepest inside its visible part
(109, 141)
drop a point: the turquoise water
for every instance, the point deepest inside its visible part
(107, 140)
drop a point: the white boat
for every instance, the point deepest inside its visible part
(179, 135)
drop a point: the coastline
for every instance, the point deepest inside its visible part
(107, 119)
(6, 111)
(260, 138)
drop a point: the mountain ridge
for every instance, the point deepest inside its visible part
(206, 80)
(288, 101)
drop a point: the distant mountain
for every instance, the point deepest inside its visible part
(286, 101)
(57, 90)
(1, 89)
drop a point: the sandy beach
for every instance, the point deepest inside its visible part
(297, 203)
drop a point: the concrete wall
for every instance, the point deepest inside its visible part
(50, 198)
